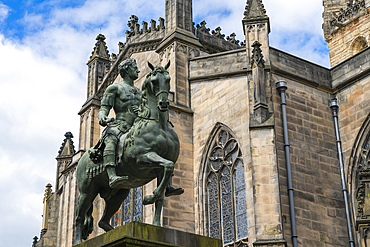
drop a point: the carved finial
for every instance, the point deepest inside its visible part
(100, 37)
(132, 22)
(68, 135)
(153, 25)
(120, 46)
(161, 24)
(47, 194)
(202, 27)
(145, 27)
(217, 33)
(34, 241)
(100, 50)
(254, 10)
(232, 39)
(114, 57)
(257, 57)
(67, 148)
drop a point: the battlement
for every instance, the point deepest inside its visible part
(153, 32)
(214, 42)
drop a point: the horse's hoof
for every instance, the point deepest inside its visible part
(117, 181)
(156, 223)
(172, 191)
(150, 199)
(105, 226)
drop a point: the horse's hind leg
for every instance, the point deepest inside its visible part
(83, 207)
(111, 207)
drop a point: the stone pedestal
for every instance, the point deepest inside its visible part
(140, 234)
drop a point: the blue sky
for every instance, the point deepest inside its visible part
(44, 47)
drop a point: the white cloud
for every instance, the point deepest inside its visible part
(4, 11)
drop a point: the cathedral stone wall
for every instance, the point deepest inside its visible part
(223, 100)
(318, 198)
(354, 108)
(67, 208)
(221, 63)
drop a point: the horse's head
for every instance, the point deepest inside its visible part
(157, 84)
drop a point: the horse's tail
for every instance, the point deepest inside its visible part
(88, 226)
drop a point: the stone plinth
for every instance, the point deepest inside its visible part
(140, 234)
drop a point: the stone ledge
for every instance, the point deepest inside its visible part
(140, 234)
(270, 243)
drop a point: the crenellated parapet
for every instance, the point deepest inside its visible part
(214, 41)
(144, 33)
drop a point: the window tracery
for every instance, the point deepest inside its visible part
(225, 200)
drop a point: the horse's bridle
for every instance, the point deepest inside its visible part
(160, 92)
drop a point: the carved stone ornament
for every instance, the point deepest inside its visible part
(257, 57)
(254, 10)
(344, 14)
(363, 190)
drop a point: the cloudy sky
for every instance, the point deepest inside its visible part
(44, 47)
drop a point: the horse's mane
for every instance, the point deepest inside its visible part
(146, 88)
(144, 110)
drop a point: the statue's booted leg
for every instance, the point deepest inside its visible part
(109, 160)
(173, 191)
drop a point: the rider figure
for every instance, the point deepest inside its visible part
(125, 99)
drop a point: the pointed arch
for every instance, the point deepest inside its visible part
(358, 179)
(222, 188)
(358, 44)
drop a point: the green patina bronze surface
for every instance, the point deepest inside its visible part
(140, 234)
(137, 146)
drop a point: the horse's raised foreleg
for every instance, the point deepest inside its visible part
(168, 166)
(111, 207)
(83, 216)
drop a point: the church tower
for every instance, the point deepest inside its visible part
(98, 65)
(346, 28)
(178, 45)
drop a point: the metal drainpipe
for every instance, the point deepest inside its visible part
(281, 87)
(334, 106)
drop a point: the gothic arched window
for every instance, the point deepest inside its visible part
(131, 209)
(358, 45)
(225, 195)
(359, 183)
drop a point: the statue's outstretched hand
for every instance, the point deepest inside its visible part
(105, 120)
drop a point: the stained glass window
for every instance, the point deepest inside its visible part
(131, 209)
(117, 218)
(226, 197)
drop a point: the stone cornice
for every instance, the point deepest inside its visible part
(180, 35)
(93, 101)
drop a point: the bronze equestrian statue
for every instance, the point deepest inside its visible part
(138, 146)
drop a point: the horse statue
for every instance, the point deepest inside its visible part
(150, 150)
